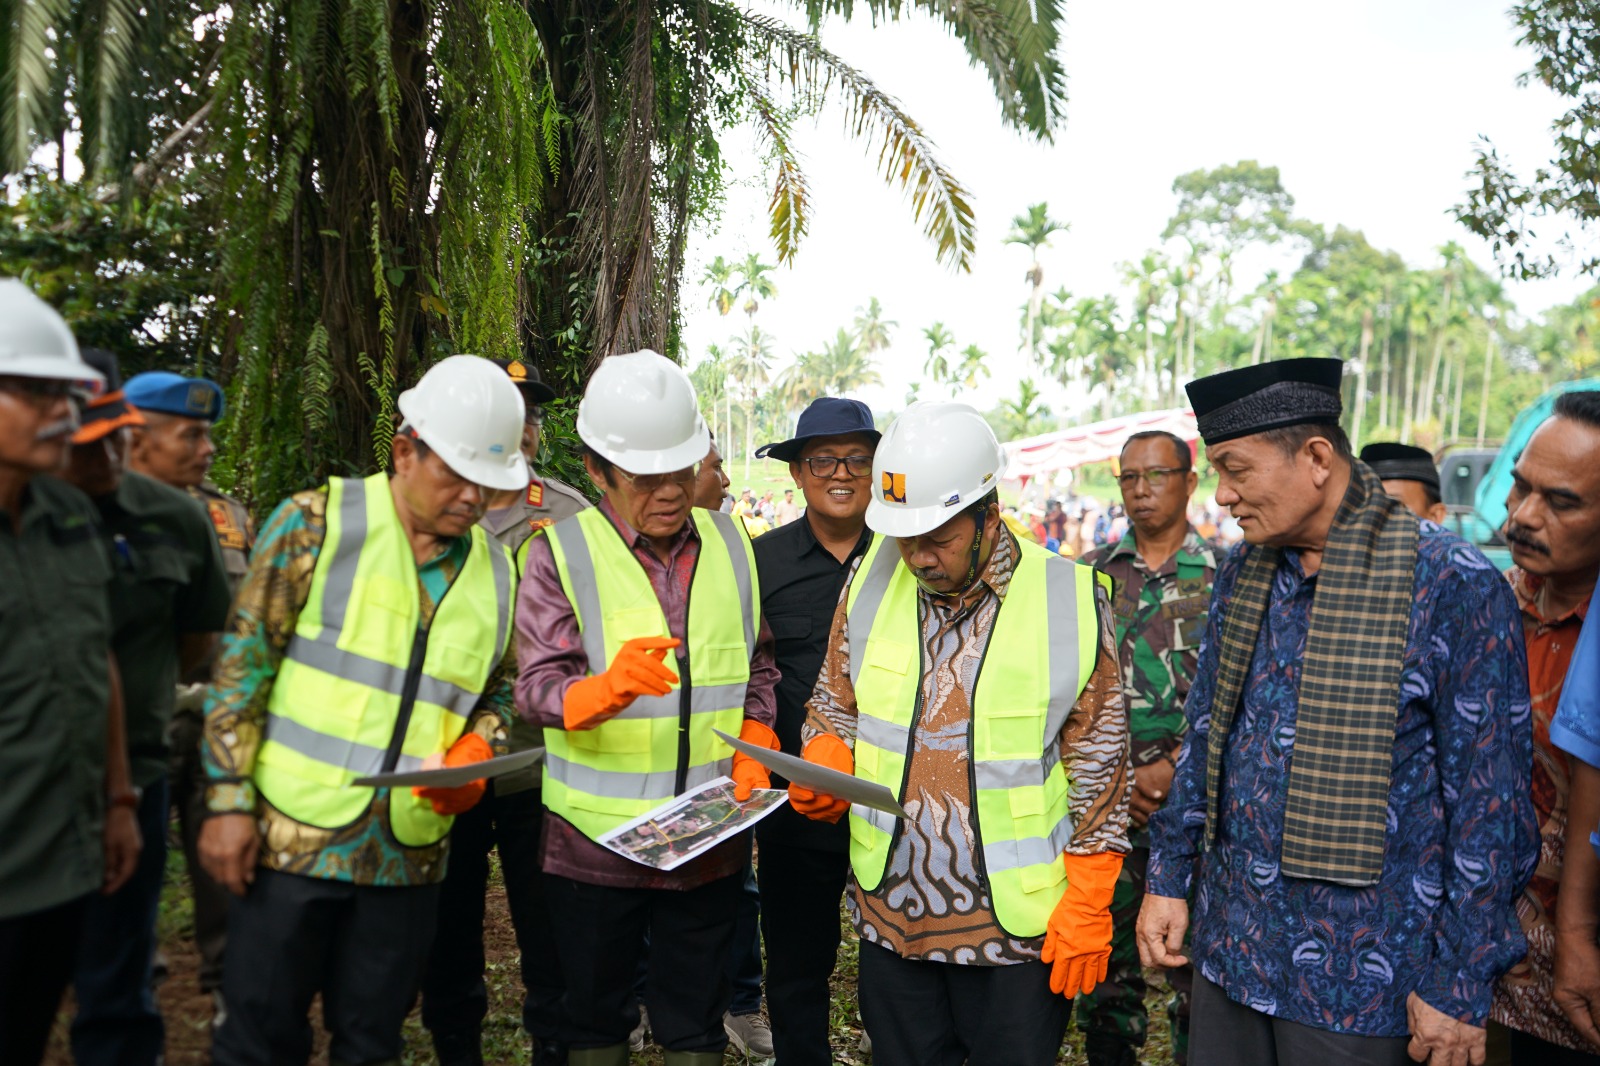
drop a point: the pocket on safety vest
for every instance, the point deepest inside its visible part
(889, 655)
(630, 623)
(1010, 732)
(720, 664)
(461, 665)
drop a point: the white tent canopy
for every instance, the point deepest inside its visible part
(1048, 453)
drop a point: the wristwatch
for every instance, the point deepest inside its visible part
(128, 797)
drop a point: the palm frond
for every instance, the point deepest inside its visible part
(25, 74)
(789, 208)
(906, 157)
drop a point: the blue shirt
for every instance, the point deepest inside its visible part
(1462, 837)
(1576, 726)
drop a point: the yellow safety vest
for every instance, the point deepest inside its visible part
(360, 655)
(1039, 657)
(660, 746)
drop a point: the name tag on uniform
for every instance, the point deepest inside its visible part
(229, 535)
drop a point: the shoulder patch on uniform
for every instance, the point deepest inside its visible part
(535, 493)
(229, 535)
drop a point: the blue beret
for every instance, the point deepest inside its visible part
(173, 394)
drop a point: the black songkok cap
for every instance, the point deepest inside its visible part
(1254, 399)
(1402, 462)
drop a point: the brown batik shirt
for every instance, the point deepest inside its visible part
(933, 902)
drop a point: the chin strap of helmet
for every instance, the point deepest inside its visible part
(980, 514)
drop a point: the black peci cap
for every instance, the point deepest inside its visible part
(1254, 399)
(1402, 462)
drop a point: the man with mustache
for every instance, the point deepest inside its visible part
(371, 635)
(1350, 813)
(169, 599)
(1553, 529)
(67, 801)
(607, 597)
(1162, 572)
(172, 444)
(975, 676)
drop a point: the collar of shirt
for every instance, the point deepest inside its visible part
(810, 543)
(1194, 551)
(1526, 586)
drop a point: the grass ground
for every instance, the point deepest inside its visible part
(188, 1012)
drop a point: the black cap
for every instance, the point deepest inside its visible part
(527, 378)
(1254, 399)
(110, 410)
(1402, 462)
(828, 416)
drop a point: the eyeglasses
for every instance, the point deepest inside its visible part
(40, 392)
(826, 465)
(1155, 477)
(648, 483)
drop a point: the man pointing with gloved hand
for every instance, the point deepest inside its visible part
(976, 677)
(607, 596)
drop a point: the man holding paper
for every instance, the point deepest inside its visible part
(369, 636)
(976, 676)
(607, 595)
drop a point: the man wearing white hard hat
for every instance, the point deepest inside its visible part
(67, 801)
(976, 677)
(607, 595)
(370, 635)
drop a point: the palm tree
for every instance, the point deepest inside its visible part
(1145, 276)
(1021, 416)
(848, 365)
(719, 275)
(973, 367)
(872, 329)
(754, 284)
(1033, 231)
(940, 342)
(748, 364)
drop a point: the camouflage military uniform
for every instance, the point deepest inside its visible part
(235, 534)
(1160, 619)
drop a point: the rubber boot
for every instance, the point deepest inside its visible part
(615, 1055)
(692, 1058)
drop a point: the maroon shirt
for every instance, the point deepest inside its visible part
(550, 658)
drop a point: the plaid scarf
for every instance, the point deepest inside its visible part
(1334, 825)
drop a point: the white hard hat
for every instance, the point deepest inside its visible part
(468, 410)
(640, 412)
(935, 460)
(35, 341)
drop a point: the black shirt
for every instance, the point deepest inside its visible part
(800, 586)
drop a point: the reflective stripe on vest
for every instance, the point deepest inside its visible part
(336, 700)
(1021, 793)
(599, 778)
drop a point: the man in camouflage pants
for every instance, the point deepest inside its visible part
(1162, 571)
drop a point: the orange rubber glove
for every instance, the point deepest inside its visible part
(747, 773)
(824, 749)
(638, 670)
(1077, 939)
(468, 749)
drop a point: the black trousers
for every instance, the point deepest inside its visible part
(600, 936)
(37, 952)
(455, 999)
(290, 937)
(800, 892)
(186, 777)
(941, 1014)
(1531, 1051)
(1225, 1033)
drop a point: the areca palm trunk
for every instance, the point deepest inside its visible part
(1410, 384)
(1361, 380)
(1461, 382)
(1383, 392)
(1425, 401)
(1483, 401)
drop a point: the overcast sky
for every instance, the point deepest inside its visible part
(1370, 109)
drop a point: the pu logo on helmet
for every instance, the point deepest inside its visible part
(894, 487)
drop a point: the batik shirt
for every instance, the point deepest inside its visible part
(933, 902)
(264, 615)
(1523, 1001)
(1441, 921)
(1161, 616)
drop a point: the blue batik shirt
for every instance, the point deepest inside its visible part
(1462, 837)
(1576, 726)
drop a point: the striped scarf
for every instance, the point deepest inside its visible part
(1334, 824)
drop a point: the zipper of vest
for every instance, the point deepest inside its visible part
(413, 682)
(680, 780)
